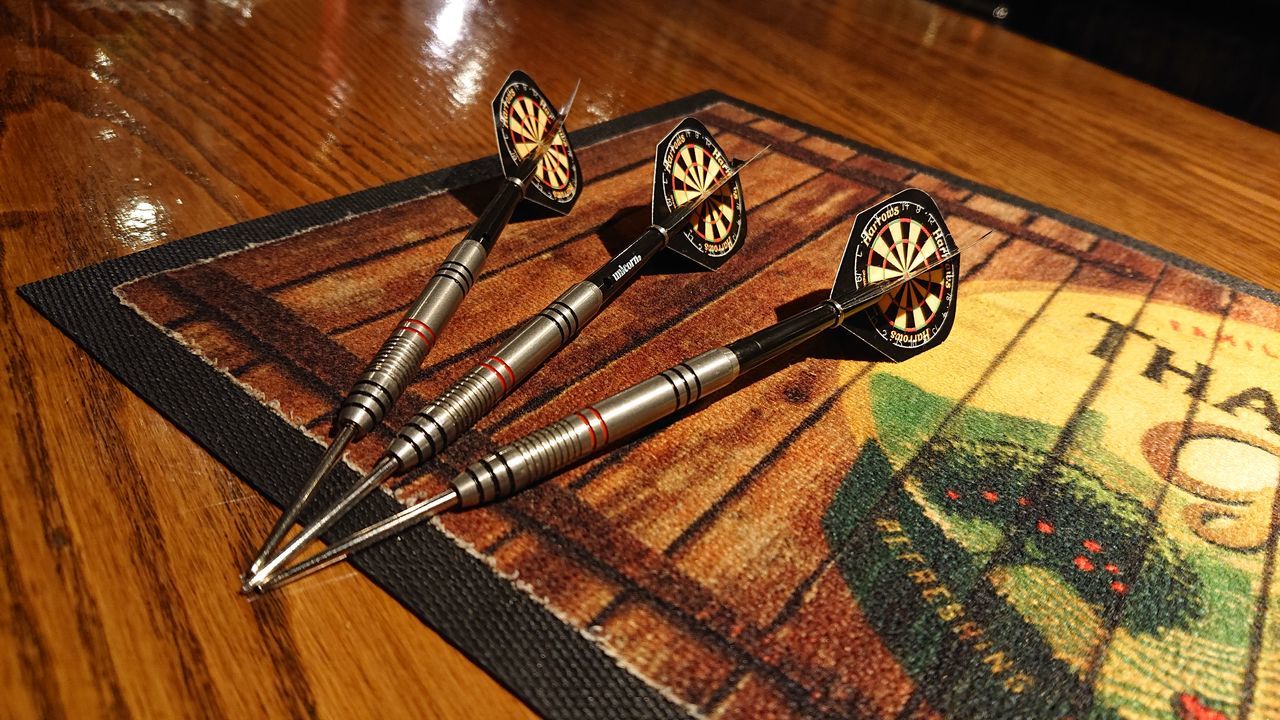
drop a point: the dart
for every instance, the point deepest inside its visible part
(538, 164)
(697, 211)
(895, 290)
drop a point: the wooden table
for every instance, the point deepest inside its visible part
(124, 127)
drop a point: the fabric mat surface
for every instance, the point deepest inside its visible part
(1067, 510)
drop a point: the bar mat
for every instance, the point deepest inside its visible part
(1067, 510)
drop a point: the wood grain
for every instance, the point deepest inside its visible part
(124, 126)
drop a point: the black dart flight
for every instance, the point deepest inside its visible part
(893, 241)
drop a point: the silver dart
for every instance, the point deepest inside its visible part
(580, 434)
(516, 111)
(459, 407)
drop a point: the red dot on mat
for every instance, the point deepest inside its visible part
(1023, 502)
(1092, 546)
(990, 496)
(1119, 587)
(953, 494)
(1045, 527)
(1111, 568)
(1083, 563)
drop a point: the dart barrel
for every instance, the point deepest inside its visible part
(582, 433)
(441, 421)
(397, 362)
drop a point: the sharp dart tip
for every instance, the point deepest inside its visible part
(332, 456)
(255, 581)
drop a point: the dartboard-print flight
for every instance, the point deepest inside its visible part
(524, 119)
(691, 164)
(902, 236)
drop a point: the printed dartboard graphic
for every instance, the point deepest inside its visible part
(689, 164)
(896, 239)
(522, 114)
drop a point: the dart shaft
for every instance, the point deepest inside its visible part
(495, 216)
(399, 358)
(762, 346)
(622, 269)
